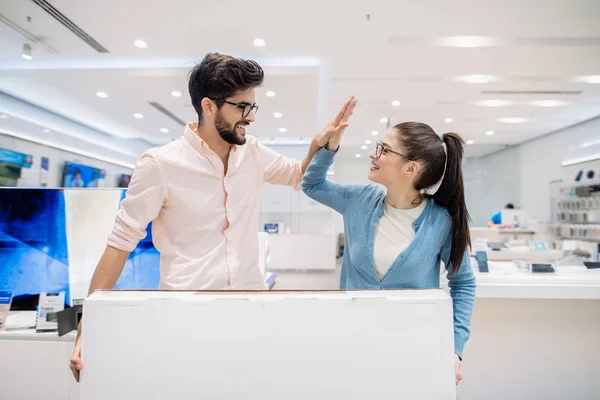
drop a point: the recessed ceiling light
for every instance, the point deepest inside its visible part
(477, 78)
(374, 133)
(489, 133)
(448, 120)
(588, 79)
(140, 44)
(466, 41)
(270, 93)
(175, 93)
(27, 52)
(47, 130)
(513, 120)
(164, 130)
(549, 103)
(3, 116)
(258, 42)
(396, 103)
(494, 103)
(470, 142)
(282, 130)
(383, 120)
(367, 141)
(138, 115)
(363, 147)
(102, 95)
(278, 115)
(587, 144)
(357, 155)
(581, 160)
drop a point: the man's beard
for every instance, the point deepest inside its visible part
(227, 132)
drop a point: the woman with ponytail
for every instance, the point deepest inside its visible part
(398, 232)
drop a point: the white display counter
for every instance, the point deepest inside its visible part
(546, 256)
(533, 336)
(381, 344)
(499, 235)
(35, 365)
(506, 281)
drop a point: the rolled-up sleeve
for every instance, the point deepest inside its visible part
(141, 205)
(278, 169)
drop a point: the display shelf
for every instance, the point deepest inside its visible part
(576, 212)
(505, 280)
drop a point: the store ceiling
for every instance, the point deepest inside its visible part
(316, 55)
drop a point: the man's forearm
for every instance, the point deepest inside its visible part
(312, 150)
(109, 269)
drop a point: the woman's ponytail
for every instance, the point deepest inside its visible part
(440, 162)
(451, 194)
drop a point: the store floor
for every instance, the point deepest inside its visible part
(308, 280)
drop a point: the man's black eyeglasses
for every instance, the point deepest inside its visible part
(245, 107)
(379, 150)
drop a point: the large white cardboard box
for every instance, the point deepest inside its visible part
(268, 345)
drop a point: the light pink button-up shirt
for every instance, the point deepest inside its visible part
(205, 223)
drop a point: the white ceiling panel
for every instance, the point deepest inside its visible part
(317, 54)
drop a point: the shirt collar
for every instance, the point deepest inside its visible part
(196, 141)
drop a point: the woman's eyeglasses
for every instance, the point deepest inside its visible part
(379, 150)
(245, 107)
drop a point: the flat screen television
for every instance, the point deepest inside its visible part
(52, 239)
(82, 176)
(124, 180)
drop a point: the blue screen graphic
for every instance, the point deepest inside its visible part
(142, 269)
(81, 176)
(33, 241)
(34, 245)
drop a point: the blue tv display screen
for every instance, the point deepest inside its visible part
(39, 226)
(82, 176)
(33, 242)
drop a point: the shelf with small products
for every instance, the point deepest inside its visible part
(577, 212)
(590, 232)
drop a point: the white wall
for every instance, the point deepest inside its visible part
(523, 174)
(57, 158)
(352, 171)
(541, 163)
(490, 183)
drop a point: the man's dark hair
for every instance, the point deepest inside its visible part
(220, 76)
(510, 206)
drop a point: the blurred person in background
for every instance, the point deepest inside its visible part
(496, 219)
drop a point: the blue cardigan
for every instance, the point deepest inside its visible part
(416, 267)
